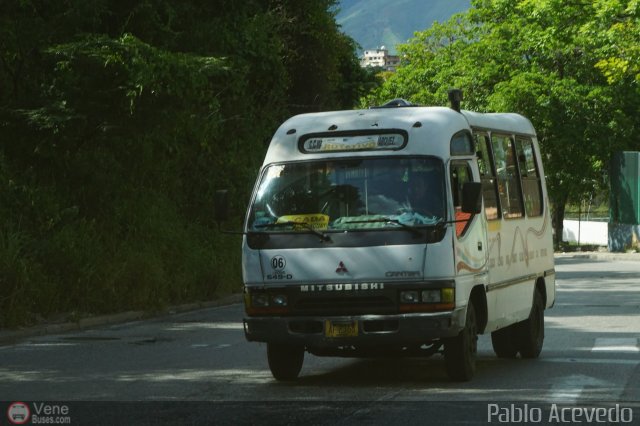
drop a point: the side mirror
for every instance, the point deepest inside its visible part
(472, 197)
(221, 205)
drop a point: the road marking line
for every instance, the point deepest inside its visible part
(616, 345)
(593, 361)
(206, 326)
(569, 389)
(223, 346)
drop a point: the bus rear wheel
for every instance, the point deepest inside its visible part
(285, 361)
(531, 330)
(504, 342)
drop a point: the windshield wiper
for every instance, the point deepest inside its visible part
(305, 225)
(410, 228)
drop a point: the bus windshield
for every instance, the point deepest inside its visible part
(349, 194)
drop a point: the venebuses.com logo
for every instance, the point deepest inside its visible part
(18, 413)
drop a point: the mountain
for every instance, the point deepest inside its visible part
(375, 23)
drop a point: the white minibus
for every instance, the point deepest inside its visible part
(399, 230)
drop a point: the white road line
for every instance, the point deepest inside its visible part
(568, 389)
(206, 326)
(616, 345)
(592, 361)
(206, 345)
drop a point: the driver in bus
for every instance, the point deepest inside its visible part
(424, 195)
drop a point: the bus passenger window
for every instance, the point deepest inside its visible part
(508, 177)
(530, 176)
(487, 177)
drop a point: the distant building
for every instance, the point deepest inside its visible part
(380, 58)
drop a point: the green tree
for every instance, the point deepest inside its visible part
(546, 60)
(324, 72)
(120, 119)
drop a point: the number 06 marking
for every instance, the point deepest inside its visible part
(278, 262)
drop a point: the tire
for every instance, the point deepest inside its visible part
(504, 342)
(531, 331)
(460, 351)
(285, 361)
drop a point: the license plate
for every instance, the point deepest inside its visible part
(341, 329)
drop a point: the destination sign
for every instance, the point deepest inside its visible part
(354, 143)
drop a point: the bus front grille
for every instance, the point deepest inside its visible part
(344, 306)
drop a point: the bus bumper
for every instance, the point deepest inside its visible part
(360, 330)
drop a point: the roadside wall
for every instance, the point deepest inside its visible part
(585, 232)
(617, 237)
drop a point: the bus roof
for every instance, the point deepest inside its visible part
(429, 130)
(500, 121)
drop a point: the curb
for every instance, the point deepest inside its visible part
(600, 256)
(12, 336)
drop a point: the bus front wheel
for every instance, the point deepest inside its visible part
(285, 361)
(460, 351)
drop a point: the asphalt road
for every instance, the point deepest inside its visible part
(197, 368)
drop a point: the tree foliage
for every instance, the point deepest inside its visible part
(120, 119)
(571, 67)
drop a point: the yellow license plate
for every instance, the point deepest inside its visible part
(341, 329)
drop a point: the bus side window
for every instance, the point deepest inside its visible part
(460, 173)
(530, 176)
(508, 176)
(487, 176)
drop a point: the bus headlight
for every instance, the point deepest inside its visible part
(427, 299)
(270, 302)
(431, 296)
(279, 300)
(410, 296)
(259, 300)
